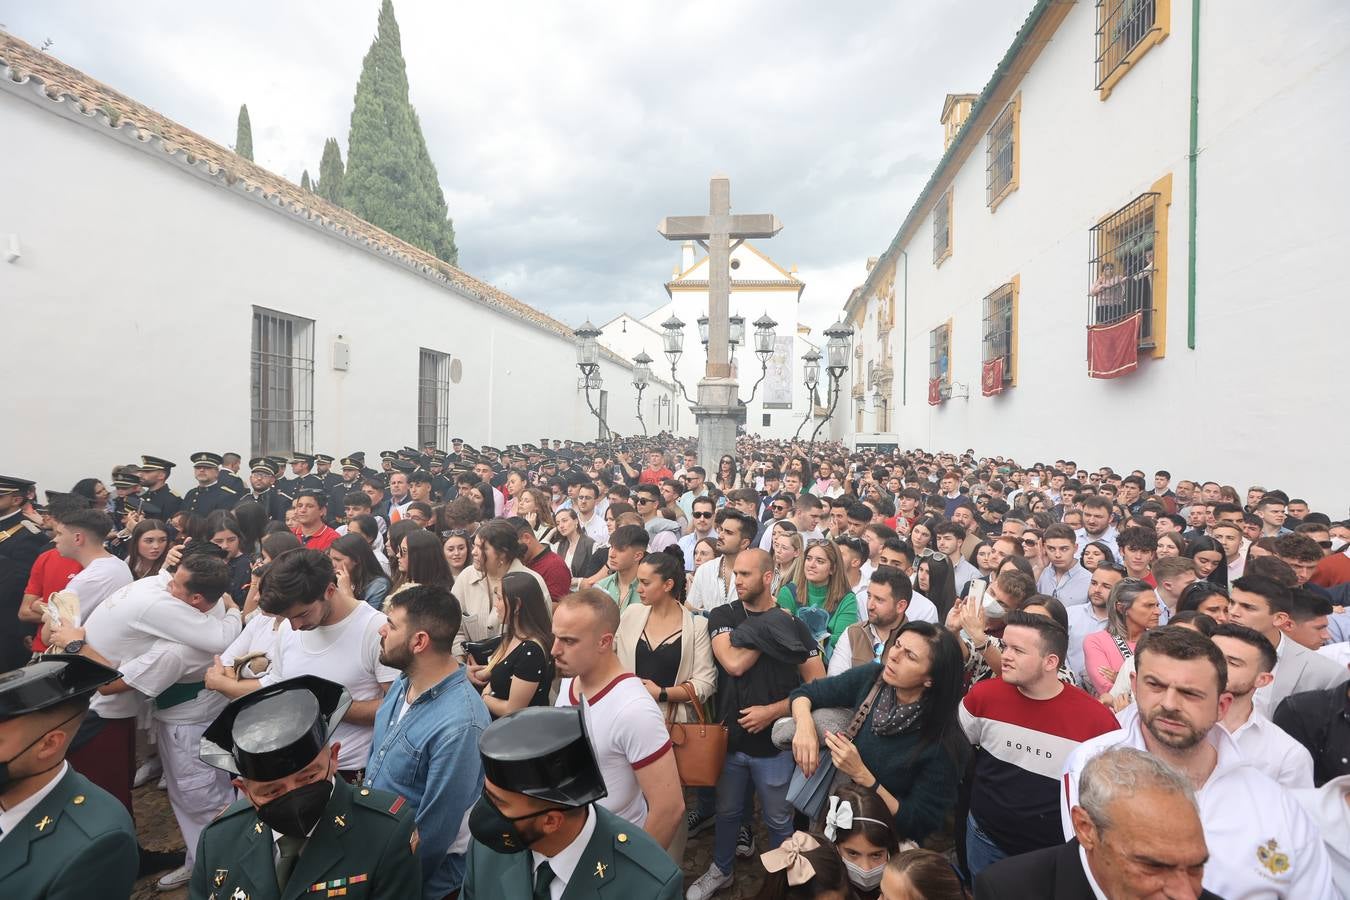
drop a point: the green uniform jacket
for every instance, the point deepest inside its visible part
(363, 847)
(77, 843)
(620, 863)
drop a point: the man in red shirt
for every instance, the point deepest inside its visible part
(1024, 725)
(310, 528)
(656, 471)
(51, 573)
(546, 564)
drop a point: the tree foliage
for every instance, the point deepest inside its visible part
(304, 181)
(330, 173)
(390, 180)
(243, 136)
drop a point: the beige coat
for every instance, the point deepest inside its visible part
(696, 658)
(475, 602)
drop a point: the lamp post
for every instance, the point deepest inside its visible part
(836, 349)
(672, 335)
(811, 377)
(588, 361)
(642, 374)
(765, 336)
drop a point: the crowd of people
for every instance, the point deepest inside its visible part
(913, 675)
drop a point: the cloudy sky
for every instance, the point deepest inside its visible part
(563, 132)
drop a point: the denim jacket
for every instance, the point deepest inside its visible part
(430, 757)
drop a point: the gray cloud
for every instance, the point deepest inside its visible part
(563, 132)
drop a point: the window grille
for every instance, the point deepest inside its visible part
(999, 154)
(939, 353)
(433, 398)
(998, 328)
(282, 384)
(1121, 25)
(1122, 268)
(942, 227)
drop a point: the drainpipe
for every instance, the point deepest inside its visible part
(1192, 161)
(904, 336)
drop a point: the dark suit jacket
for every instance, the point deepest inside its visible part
(1054, 873)
(581, 560)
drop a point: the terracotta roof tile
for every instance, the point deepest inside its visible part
(22, 63)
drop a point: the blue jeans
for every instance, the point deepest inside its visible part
(770, 776)
(981, 851)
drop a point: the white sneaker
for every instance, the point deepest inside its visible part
(709, 883)
(175, 879)
(150, 769)
(163, 783)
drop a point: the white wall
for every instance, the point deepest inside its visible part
(129, 318)
(1255, 400)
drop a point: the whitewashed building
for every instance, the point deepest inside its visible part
(1175, 168)
(162, 295)
(759, 287)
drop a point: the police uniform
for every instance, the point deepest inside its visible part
(297, 483)
(75, 840)
(337, 494)
(21, 542)
(166, 501)
(544, 752)
(231, 480)
(206, 499)
(272, 500)
(332, 479)
(363, 843)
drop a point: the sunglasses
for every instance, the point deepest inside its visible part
(1029, 542)
(780, 508)
(703, 515)
(641, 500)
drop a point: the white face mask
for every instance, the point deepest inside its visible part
(866, 879)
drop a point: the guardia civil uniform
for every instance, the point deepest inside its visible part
(362, 844)
(544, 752)
(72, 840)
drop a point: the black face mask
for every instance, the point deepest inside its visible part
(497, 832)
(295, 813)
(6, 779)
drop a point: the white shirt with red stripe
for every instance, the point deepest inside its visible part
(628, 733)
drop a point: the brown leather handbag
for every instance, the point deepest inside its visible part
(700, 747)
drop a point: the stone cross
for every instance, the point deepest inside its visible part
(716, 232)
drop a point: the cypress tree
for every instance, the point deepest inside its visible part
(390, 180)
(304, 181)
(243, 136)
(330, 173)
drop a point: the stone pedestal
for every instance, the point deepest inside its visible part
(717, 412)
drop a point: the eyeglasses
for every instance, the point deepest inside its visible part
(703, 515)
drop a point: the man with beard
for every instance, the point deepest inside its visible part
(427, 731)
(262, 481)
(540, 795)
(1267, 844)
(297, 825)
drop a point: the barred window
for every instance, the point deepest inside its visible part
(942, 227)
(1121, 26)
(282, 384)
(1122, 268)
(1000, 155)
(998, 328)
(433, 398)
(939, 353)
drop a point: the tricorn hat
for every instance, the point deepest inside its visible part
(55, 678)
(543, 752)
(275, 731)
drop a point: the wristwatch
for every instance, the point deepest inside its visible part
(662, 696)
(74, 647)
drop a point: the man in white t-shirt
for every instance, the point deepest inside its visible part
(333, 635)
(625, 725)
(79, 536)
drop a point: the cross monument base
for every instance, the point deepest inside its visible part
(718, 412)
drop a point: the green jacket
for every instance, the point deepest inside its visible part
(77, 843)
(364, 845)
(620, 863)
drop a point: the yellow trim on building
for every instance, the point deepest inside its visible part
(1163, 188)
(1016, 105)
(1162, 27)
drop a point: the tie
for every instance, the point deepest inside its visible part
(290, 848)
(543, 877)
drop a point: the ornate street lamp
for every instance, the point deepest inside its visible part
(764, 341)
(811, 377)
(703, 329)
(737, 335)
(672, 336)
(836, 348)
(642, 375)
(588, 361)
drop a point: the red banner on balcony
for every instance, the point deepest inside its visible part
(934, 391)
(991, 378)
(1113, 350)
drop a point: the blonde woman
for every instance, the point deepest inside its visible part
(787, 554)
(822, 582)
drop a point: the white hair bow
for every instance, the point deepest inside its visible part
(839, 817)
